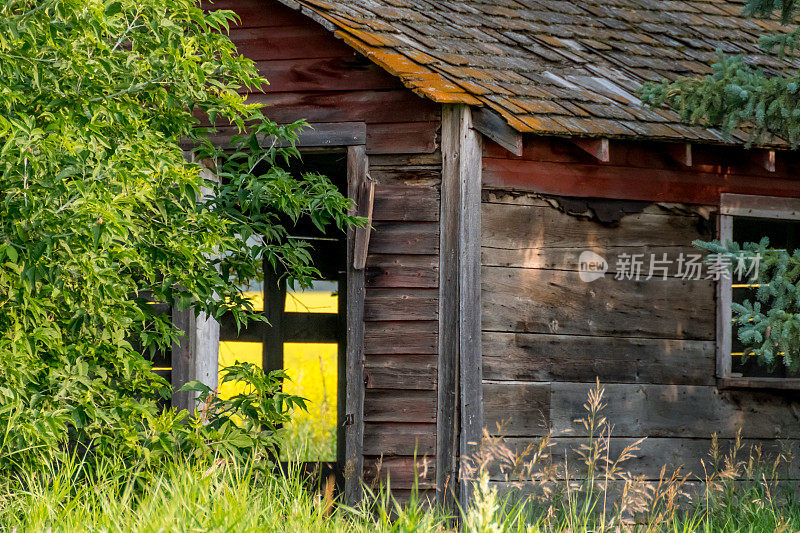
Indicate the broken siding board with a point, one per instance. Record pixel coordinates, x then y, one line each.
399 439
408 271
394 405
545 237
678 411
403 337
548 357
555 301
512 409
407 372
415 238
401 304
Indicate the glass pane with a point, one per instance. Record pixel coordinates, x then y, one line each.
313 370
322 297
231 352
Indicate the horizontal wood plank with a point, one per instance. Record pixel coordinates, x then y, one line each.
418 238
545 237
288 42
553 301
402 138
407 372
678 411
401 304
417 204
401 472
399 439
389 338
394 405
548 357
341 73
516 408
395 270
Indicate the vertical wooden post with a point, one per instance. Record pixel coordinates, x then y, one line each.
459 300
196 355
357 170
724 300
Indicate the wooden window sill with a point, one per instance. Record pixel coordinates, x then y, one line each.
759 383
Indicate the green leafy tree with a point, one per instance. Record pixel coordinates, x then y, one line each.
102 213
739 93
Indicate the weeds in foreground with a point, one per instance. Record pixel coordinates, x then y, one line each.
535 489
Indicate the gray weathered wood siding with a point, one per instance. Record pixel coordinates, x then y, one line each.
547 336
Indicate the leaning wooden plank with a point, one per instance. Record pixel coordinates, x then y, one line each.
516 408
552 301
549 357
678 411
497 129
366 199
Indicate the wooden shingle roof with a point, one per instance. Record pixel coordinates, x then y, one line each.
550 66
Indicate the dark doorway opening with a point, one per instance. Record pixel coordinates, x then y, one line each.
306 335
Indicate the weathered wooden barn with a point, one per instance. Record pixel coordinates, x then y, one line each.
494 143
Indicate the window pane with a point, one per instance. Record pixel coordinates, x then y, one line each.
322 297
313 369
231 352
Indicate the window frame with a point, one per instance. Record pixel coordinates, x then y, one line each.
752 206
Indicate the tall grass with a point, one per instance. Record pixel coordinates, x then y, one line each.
514 491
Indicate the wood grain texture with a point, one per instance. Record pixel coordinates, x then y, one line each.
407 372
407 204
399 439
548 357
401 472
395 270
553 301
401 304
415 238
394 405
541 236
401 337
517 408
679 411
402 138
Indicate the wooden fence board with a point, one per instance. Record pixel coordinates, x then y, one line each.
415 238
409 271
408 204
402 138
402 472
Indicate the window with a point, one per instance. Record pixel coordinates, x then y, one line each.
746 218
